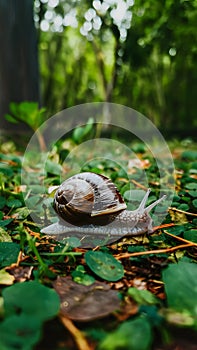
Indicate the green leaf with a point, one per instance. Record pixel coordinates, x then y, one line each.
19 332
8 253
31 298
104 265
194 202
11 119
191 186
131 335
12 202
191 235
2 202
80 276
142 297
136 249
189 155
193 193
81 132
176 230
6 222
181 287
183 206
22 213
151 312
27 112
32 201
53 168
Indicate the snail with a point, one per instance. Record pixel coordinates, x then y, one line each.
91 208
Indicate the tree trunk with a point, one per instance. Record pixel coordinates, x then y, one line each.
19 77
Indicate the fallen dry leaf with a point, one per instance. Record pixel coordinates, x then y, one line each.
85 303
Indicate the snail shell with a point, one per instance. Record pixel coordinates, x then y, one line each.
90 207
85 197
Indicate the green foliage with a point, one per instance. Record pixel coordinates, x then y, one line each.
149 68
181 286
191 235
53 168
134 334
27 306
81 133
44 301
19 332
80 276
8 253
142 297
104 265
164 292
189 155
28 113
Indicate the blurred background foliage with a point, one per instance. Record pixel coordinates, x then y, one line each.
138 53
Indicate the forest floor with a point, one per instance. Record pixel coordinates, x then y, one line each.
135 293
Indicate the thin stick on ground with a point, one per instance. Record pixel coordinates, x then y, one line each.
155 251
180 238
139 185
182 211
78 336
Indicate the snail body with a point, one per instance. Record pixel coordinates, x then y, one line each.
90 207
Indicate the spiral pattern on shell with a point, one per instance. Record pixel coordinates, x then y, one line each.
88 198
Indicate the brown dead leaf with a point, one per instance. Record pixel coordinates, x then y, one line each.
139 283
20 273
85 303
130 308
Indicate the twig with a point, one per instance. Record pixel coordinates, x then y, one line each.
182 211
155 228
78 336
180 238
139 185
19 258
155 251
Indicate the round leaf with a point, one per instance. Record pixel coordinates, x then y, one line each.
142 297
8 253
181 286
193 193
15 203
19 332
194 202
134 334
191 186
31 298
104 265
183 206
